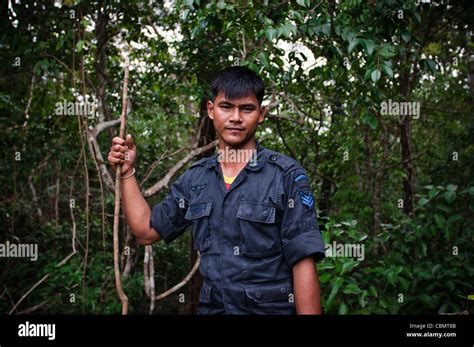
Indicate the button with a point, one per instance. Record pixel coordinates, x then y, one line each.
257 294
273 157
265 213
283 289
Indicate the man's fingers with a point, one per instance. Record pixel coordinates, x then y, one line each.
118 148
130 142
118 141
115 160
117 154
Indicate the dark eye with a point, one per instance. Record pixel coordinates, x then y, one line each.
225 107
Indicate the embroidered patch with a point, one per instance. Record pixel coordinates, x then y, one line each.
307 199
198 188
301 177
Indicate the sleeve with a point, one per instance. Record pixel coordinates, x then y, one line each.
300 233
167 217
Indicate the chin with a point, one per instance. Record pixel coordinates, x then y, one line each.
234 141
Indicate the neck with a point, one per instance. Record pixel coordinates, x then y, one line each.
232 157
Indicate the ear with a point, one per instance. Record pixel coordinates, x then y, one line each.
263 112
210 109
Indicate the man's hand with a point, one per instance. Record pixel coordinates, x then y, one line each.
122 153
306 287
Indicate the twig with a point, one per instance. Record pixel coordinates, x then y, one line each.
31 309
157 161
165 180
118 175
28 105
183 282
44 278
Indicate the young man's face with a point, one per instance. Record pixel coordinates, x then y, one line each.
235 120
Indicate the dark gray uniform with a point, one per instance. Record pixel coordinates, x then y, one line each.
249 236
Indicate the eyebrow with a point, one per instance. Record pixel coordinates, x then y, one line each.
225 102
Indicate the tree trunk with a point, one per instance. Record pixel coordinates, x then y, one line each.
405 140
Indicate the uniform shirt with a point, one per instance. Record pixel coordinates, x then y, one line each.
249 236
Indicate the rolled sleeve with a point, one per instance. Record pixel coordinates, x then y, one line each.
304 245
167 217
300 233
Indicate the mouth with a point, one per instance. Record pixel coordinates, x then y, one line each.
234 129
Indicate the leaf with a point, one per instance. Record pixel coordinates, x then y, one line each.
353 44
264 59
388 70
372 121
287 29
185 13
440 221
404 283
451 187
454 218
343 309
348 266
406 35
334 291
303 3
433 192
450 196
436 268
79 46
351 289
369 46
423 201
326 29
362 301
428 65
271 33
375 75
367 74
388 51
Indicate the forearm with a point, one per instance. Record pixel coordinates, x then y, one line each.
137 211
306 287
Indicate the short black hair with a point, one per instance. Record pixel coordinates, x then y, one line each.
236 82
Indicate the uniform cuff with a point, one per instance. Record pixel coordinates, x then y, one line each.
304 245
163 225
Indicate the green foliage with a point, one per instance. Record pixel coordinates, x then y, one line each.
329 65
421 264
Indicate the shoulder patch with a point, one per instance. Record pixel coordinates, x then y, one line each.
307 199
301 177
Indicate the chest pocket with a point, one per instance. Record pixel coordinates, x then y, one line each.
199 213
258 229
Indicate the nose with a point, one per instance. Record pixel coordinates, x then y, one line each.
235 116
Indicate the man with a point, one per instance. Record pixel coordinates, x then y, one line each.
253 216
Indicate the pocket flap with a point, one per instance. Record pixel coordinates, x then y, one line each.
198 210
256 212
269 292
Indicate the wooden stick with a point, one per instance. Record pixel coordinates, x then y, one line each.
118 175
